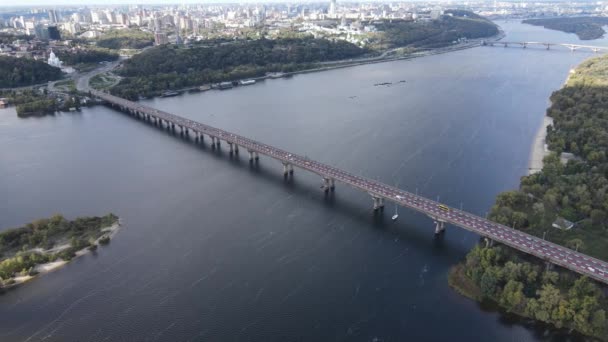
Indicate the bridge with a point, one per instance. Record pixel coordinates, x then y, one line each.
378 191
571 47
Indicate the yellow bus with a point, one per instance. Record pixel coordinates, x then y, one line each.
444 207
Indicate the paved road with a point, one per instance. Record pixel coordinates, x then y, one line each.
545 250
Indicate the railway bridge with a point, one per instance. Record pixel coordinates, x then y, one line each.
378 191
571 47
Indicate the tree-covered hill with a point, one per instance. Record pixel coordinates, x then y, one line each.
19 72
586 28
457 24
171 67
125 39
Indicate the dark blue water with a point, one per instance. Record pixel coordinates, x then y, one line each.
214 250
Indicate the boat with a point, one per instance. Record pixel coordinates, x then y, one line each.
396 216
204 87
247 82
276 75
169 93
225 85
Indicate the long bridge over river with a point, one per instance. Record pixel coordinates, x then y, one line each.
379 192
571 47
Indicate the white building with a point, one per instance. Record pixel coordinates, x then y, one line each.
54 61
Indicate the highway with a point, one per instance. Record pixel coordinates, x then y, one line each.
549 252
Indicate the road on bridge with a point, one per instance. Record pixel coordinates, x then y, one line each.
550 252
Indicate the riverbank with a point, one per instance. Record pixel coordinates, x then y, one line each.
386 56
522 285
539 147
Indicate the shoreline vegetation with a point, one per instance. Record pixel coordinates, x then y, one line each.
45 245
170 68
570 184
586 28
32 102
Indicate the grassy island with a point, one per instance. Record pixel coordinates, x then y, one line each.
46 244
572 186
586 28
37 103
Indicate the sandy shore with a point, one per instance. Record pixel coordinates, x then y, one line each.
52 266
539 147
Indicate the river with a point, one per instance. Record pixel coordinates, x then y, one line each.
214 250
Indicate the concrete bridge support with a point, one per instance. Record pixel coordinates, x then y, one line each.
439 227
489 242
287 169
378 203
253 155
230 147
236 148
173 126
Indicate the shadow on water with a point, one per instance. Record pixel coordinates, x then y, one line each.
330 201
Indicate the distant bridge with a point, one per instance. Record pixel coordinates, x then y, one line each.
571 47
379 192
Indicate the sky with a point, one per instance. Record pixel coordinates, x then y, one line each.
56 3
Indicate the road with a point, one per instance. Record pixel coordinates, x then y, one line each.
530 244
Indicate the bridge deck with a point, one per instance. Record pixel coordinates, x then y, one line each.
545 250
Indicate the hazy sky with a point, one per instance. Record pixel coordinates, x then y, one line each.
52 3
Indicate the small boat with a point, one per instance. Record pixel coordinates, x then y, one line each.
247 82
169 93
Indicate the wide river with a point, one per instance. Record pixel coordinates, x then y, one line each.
214 250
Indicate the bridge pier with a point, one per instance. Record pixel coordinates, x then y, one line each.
525 45
489 242
236 148
439 227
378 202
253 155
230 147
173 126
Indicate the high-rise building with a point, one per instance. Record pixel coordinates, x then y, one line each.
332 8
41 32
53 16
160 38
54 33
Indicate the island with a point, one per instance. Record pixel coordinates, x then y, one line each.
566 203
39 102
586 28
46 244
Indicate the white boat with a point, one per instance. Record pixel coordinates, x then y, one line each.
396 216
247 82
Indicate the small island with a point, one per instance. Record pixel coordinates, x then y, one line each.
46 244
586 28
565 203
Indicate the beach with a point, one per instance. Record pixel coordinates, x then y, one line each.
539 147
54 265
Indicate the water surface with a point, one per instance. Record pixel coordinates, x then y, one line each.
215 250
